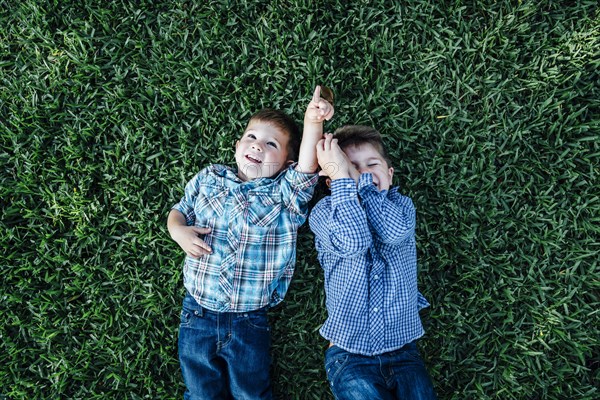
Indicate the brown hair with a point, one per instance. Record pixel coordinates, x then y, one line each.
355 135
282 121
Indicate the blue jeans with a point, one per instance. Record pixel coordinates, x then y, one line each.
398 374
224 355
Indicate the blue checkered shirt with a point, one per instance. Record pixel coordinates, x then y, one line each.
253 239
366 245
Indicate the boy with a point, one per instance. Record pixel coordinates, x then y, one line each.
365 238
238 227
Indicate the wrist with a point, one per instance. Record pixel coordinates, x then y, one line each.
308 120
175 232
340 175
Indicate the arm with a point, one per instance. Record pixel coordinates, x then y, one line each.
181 221
391 215
317 111
339 221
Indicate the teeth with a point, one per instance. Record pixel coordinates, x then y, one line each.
253 159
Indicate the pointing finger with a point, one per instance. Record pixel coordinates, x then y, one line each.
317 94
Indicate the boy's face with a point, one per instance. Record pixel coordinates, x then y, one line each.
262 151
366 158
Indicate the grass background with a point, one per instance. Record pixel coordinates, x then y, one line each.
491 113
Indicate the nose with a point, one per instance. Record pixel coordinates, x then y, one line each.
256 146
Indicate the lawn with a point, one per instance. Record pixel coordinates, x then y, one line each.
490 110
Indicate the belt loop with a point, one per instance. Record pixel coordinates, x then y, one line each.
199 311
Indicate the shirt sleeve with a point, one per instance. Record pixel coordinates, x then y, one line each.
297 189
339 222
186 204
391 215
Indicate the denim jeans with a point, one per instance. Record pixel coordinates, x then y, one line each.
399 374
224 355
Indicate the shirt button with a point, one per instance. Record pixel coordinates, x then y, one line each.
375 309
375 277
349 185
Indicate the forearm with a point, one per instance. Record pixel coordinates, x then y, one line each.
393 220
175 220
340 222
307 158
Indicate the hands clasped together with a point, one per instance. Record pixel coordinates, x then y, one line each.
333 161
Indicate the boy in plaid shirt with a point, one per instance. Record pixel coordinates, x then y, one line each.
238 228
365 239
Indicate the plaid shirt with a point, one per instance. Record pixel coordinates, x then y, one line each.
368 252
253 239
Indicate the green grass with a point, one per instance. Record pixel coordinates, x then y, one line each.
491 110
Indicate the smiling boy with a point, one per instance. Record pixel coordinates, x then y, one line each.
238 228
365 239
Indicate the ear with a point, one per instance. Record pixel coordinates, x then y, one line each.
391 174
328 182
237 143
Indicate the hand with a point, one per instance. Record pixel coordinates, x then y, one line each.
188 238
318 109
333 161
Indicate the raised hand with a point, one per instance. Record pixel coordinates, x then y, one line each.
332 160
319 109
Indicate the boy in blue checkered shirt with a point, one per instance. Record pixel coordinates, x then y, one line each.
365 238
238 227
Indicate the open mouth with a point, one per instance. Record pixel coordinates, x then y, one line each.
252 159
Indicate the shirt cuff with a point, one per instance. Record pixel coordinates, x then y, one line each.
189 217
299 179
365 180
343 190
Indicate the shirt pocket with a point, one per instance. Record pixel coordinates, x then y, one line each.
210 202
264 208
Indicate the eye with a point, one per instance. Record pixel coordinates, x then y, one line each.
373 164
272 144
251 136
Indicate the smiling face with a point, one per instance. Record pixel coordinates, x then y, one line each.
262 152
366 158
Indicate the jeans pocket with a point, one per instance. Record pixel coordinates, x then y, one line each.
188 310
256 320
185 318
411 352
335 361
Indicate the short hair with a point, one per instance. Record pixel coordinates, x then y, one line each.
282 121
355 135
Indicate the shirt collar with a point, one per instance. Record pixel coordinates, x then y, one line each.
230 174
